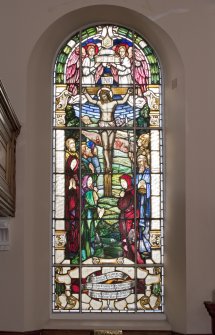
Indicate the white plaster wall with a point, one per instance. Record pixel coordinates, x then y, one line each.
182 32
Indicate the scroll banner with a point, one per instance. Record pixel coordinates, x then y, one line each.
97 290
110 287
107 276
110 295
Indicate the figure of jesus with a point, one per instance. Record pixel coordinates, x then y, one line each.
107 108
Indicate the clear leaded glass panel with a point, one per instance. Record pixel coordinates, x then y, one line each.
107 174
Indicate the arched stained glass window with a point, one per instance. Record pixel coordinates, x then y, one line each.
107 174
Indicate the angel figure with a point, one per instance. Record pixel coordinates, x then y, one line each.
132 64
122 71
91 71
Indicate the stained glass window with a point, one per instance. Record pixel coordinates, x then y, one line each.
107 174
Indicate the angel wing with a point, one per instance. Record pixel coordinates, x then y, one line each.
73 70
99 72
141 72
114 72
113 69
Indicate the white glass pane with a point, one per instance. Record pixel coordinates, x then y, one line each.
155 184
108 269
155 225
155 207
155 90
71 43
59 139
65 270
59 225
154 139
129 271
74 273
127 261
155 161
60 184
143 44
60 161
87 271
59 256
59 207
156 256
142 273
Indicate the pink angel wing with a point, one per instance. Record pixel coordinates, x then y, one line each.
99 72
114 72
72 71
141 72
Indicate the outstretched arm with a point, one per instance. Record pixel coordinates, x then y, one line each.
122 101
91 100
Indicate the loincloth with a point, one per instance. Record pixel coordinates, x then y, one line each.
106 124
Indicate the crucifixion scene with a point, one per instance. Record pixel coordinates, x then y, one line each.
108 97
107 115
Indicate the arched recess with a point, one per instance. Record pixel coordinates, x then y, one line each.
38 212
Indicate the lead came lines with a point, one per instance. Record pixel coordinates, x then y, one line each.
98 292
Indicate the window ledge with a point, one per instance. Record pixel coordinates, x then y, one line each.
150 321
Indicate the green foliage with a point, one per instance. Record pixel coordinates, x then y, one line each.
156 289
111 202
137 39
123 31
130 35
60 68
76 38
91 31
62 58
152 59
60 288
67 50
147 51
156 79
84 35
154 65
105 230
71 119
59 78
99 252
75 259
154 69
143 119
112 212
119 168
113 252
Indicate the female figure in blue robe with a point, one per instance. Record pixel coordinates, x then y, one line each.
144 204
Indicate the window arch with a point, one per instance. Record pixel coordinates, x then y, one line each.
107 174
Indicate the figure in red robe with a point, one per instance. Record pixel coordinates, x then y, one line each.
127 219
72 200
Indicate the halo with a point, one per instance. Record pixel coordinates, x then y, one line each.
105 89
118 46
93 45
